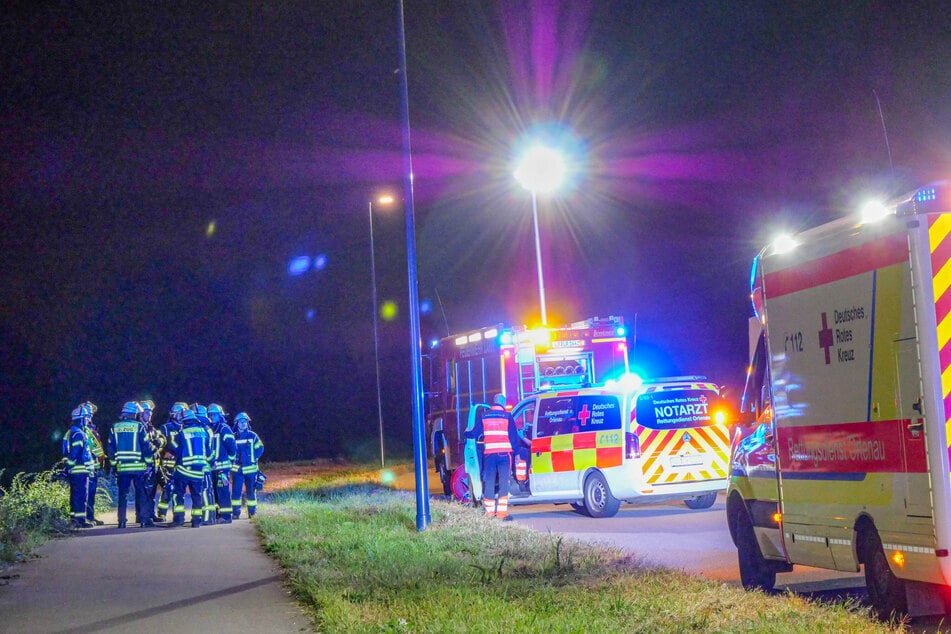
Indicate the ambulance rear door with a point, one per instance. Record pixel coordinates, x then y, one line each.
680 440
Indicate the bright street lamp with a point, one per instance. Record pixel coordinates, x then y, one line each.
541 169
382 200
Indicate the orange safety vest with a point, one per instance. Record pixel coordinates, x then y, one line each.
495 430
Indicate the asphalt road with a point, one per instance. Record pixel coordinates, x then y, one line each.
209 579
669 534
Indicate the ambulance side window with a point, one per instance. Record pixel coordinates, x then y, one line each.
554 417
757 396
525 421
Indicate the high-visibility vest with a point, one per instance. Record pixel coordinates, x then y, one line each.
495 429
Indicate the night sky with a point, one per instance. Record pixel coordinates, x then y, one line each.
162 168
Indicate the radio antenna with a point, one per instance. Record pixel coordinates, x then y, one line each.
888 147
443 311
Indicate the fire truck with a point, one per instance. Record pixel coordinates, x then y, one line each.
844 459
471 367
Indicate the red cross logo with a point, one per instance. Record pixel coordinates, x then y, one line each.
584 415
825 338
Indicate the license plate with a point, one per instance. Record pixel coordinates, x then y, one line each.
686 460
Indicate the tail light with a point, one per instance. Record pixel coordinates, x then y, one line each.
632 446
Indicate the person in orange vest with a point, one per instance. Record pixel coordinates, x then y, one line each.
497 428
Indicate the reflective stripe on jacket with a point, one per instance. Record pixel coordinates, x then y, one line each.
249 449
495 429
192 450
79 457
129 447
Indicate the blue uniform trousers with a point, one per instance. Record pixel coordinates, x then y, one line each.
244 481
496 465
195 488
222 480
135 480
91 496
78 492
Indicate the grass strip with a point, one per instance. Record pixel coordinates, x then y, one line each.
357 564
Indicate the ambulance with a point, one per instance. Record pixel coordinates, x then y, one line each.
596 447
843 462
469 368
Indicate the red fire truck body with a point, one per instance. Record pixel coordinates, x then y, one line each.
471 367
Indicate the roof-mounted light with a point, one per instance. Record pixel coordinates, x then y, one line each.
874 211
784 243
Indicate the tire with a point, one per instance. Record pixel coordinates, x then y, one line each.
579 508
598 500
755 571
704 501
886 592
446 478
459 486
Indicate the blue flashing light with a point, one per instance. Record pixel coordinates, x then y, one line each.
425 307
505 338
620 331
320 262
298 265
926 194
311 313
433 343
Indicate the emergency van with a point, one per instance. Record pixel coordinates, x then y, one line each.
470 367
844 462
596 447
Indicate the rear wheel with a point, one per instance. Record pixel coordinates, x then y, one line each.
459 485
704 501
598 499
755 572
886 592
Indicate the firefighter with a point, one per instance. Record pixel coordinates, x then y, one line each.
96 465
208 487
167 463
222 456
153 473
245 468
192 450
78 458
501 438
131 452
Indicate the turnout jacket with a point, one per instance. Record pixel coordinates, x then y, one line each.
223 447
78 456
129 447
192 448
249 450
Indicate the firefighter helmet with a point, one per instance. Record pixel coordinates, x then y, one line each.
131 409
81 412
175 412
147 406
201 412
242 417
216 410
188 416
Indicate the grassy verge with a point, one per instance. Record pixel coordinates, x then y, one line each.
32 508
357 563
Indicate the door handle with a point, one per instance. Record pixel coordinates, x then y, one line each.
916 426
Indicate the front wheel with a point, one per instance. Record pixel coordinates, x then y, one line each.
704 501
598 499
886 592
755 571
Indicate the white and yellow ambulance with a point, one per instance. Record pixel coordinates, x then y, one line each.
845 461
596 447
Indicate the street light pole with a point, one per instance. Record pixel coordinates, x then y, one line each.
541 169
376 338
538 259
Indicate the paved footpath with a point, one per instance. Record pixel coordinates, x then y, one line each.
209 579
